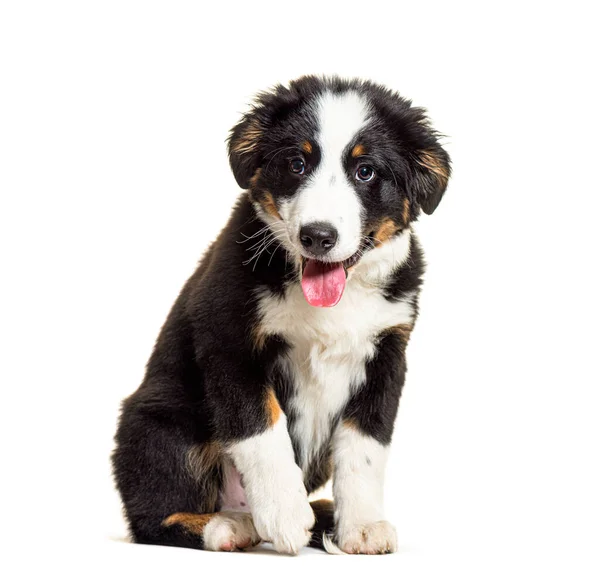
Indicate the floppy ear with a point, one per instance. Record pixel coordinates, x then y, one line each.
247 143
244 149
430 173
426 165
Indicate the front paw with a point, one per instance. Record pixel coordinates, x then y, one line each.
286 522
369 538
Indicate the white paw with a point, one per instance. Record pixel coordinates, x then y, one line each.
228 531
274 486
286 521
369 538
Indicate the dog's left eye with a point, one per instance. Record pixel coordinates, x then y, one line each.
297 166
365 173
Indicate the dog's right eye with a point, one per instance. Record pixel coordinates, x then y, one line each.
297 166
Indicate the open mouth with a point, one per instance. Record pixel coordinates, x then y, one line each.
323 283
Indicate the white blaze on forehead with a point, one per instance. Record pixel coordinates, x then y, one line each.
340 117
329 194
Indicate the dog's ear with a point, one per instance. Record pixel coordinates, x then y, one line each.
425 165
429 176
244 148
247 140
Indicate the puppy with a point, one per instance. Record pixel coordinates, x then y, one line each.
282 361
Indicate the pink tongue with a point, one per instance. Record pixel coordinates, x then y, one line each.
323 283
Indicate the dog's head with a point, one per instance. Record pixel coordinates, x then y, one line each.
336 167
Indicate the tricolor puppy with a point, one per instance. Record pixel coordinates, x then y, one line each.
282 361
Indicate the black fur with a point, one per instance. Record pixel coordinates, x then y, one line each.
206 378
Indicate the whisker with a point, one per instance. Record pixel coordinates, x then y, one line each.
274 251
264 244
252 236
276 234
265 248
258 252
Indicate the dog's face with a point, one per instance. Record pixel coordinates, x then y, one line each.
336 168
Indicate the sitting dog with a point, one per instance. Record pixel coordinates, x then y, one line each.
282 361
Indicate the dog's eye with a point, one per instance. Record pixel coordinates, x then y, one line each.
297 166
365 173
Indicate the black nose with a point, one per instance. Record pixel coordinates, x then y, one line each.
318 238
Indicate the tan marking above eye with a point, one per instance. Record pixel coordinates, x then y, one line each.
307 147
358 150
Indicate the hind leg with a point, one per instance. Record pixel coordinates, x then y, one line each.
161 471
229 529
221 531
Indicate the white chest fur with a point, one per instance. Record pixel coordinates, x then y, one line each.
329 347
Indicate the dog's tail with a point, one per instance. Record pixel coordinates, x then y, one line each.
322 532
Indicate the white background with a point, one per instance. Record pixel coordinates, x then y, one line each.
114 178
